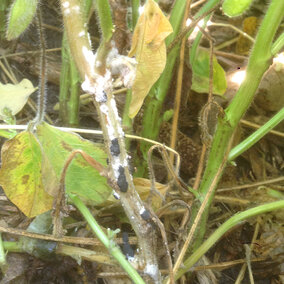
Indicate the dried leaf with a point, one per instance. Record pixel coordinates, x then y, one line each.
149 48
143 187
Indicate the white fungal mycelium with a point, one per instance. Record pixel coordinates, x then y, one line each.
140 207
122 65
89 38
66 11
142 210
153 271
87 86
90 57
76 9
116 195
65 4
98 63
103 85
109 126
114 108
115 166
81 34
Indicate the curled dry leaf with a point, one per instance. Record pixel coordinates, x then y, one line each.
149 48
143 187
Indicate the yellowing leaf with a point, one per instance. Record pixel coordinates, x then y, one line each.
21 174
14 97
149 48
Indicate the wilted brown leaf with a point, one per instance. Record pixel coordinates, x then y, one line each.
149 48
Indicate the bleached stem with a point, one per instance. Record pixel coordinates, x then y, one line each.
98 82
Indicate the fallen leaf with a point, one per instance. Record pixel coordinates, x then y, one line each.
20 174
14 97
149 48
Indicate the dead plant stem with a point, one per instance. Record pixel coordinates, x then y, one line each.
254 237
98 82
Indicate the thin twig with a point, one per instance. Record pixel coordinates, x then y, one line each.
248 250
250 185
173 172
206 110
165 242
43 68
197 3
95 132
256 126
200 167
64 239
179 85
184 32
29 52
230 55
244 34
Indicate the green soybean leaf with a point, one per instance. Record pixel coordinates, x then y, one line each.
81 179
3 8
233 8
20 174
20 17
200 76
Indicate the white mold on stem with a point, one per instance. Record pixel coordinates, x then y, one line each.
142 210
76 9
90 58
153 271
123 66
65 4
66 12
115 166
81 34
89 39
116 195
87 86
